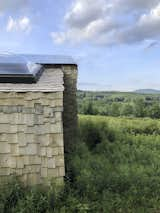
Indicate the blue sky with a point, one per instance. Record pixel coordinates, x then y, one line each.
115 42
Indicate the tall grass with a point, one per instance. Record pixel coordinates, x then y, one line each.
115 167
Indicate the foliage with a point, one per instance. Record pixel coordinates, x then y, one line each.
115 167
118 104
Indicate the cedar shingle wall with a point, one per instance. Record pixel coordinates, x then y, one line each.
35 119
31 130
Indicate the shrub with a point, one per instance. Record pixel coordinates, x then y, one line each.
115 167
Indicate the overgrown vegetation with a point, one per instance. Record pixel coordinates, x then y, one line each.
115 167
119 104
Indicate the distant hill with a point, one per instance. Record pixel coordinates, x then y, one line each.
147 91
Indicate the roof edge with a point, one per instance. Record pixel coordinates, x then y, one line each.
50 59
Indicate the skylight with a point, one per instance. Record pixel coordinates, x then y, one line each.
18 69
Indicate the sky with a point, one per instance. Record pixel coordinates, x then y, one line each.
116 43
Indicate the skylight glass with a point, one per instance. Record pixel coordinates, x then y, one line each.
18 69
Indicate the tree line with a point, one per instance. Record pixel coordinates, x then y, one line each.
120 106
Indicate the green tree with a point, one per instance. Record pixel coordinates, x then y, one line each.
154 111
88 109
127 110
139 108
115 109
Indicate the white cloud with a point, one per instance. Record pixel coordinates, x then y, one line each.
134 5
146 28
58 38
23 24
93 30
12 4
85 11
111 22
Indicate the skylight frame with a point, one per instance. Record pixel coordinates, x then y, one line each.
18 69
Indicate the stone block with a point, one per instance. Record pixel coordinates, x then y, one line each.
3 137
43 151
29 129
49 152
60 150
42 129
45 101
58 102
56 140
48 112
55 95
20 163
55 151
32 149
20 128
53 173
38 109
4 160
36 168
33 96
44 172
52 120
26 160
28 110
59 161
19 172
12 162
9 109
30 138
61 171
29 103
5 128
56 128
58 116
51 163
34 160
4 118
12 138
28 119
4 148
44 162
23 150
38 119
14 149
13 118
21 138
28 169
13 129
4 171
44 140
58 109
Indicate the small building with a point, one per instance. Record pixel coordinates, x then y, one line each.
38 116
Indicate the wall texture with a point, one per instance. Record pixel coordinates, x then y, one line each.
31 136
70 107
36 121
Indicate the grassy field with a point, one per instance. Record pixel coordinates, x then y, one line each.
115 167
126 168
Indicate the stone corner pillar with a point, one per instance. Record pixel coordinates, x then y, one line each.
70 119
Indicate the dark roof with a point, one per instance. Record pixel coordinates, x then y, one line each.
25 68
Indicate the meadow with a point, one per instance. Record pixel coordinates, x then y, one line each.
115 167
